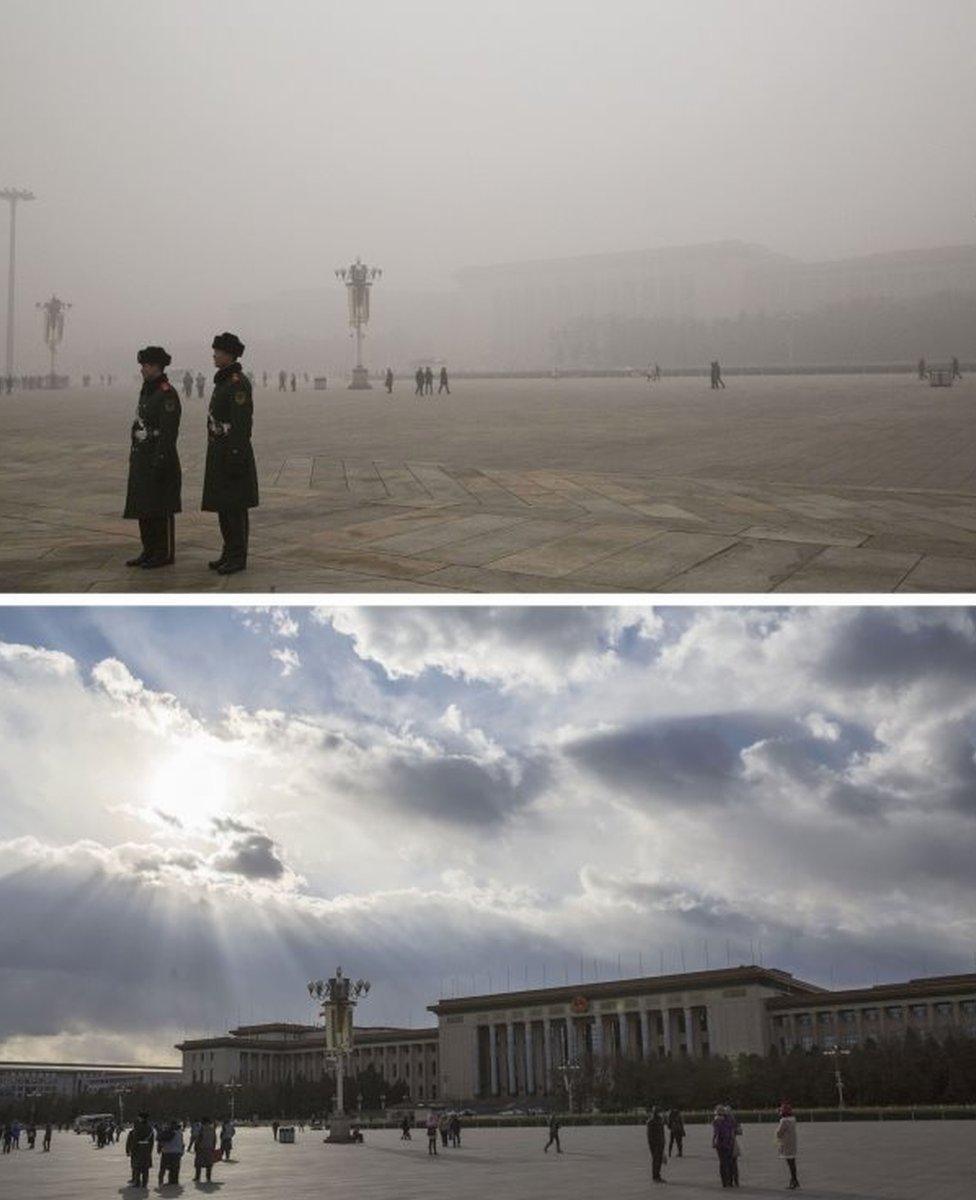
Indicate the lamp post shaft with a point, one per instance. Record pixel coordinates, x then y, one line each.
11 272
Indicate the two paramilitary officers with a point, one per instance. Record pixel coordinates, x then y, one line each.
155 480
230 486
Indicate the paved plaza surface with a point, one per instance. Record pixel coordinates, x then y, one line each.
789 484
928 1160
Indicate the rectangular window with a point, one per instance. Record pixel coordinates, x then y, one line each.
894 1013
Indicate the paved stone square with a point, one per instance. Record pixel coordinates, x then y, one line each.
927 1160
788 484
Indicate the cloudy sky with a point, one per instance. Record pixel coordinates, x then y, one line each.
191 155
203 807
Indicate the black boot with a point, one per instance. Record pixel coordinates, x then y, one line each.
230 567
137 561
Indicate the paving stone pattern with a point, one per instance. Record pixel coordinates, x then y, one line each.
830 484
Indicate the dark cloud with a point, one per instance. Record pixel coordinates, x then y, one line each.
693 759
882 647
251 855
465 791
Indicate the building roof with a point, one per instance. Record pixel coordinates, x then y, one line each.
911 989
126 1068
313 1037
647 985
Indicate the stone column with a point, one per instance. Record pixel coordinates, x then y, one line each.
493 1055
689 1032
547 1052
529 1064
512 1080
645 1026
475 1066
624 1039
597 1036
666 1021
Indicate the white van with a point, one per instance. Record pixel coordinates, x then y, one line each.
87 1121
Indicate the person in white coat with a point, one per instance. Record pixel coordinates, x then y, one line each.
786 1140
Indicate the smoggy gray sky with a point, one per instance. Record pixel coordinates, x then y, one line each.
205 807
193 154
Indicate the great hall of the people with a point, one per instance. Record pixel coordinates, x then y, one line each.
512 1044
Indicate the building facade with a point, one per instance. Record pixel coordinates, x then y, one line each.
19 1080
291 1053
513 1045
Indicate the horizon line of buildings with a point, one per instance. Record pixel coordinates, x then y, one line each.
509 1045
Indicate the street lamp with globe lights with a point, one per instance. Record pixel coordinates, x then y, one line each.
338 997
359 279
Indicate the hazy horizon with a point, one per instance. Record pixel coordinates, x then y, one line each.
193 157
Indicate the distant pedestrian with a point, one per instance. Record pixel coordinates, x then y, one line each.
922 368
294 383
419 379
786 1140
717 380
282 381
956 373
46 1144
8 1137
274 1130
264 379
455 1130
201 384
205 1149
388 381
553 1135
169 1143
676 1130
443 384
444 1128
655 1142
432 1133
227 1131
657 371
188 384
428 382
723 1143
405 1135
139 1146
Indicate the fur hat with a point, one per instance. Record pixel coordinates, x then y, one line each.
229 342
155 355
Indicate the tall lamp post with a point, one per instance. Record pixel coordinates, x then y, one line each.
338 997
13 196
232 1087
358 279
120 1092
54 310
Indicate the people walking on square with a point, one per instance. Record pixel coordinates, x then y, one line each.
443 385
227 1131
676 1131
455 1130
736 1148
201 384
786 1140
169 1143
230 485
8 1137
294 382
153 492
388 381
46 1143
188 384
444 1128
204 1146
405 1135
723 1143
31 1135
655 1142
432 1133
922 368
139 1147
419 378
274 1130
553 1135
428 382
282 381
956 373
717 380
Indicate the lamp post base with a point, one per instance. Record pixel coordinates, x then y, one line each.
339 1131
360 380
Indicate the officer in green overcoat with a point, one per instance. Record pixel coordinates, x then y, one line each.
155 480
230 483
